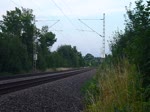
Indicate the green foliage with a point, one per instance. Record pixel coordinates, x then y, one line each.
19 23
68 56
116 88
55 60
90 91
90 60
46 40
134 43
124 85
17 33
10 60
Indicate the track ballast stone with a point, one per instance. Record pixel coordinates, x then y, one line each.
59 96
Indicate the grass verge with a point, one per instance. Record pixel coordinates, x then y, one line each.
115 88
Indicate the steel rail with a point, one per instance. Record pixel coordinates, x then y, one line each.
7 77
23 84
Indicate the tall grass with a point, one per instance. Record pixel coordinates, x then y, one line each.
119 90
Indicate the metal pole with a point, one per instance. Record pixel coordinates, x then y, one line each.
34 50
104 35
35 57
92 30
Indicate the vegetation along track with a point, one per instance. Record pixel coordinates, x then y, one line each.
16 85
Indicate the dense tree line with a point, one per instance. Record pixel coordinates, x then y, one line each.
90 60
66 56
18 36
134 42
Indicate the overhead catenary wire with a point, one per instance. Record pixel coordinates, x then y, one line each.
90 28
34 44
57 30
46 20
63 13
56 21
84 30
92 19
36 4
68 19
51 26
20 2
16 4
79 25
103 36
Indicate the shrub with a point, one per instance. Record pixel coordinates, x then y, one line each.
120 90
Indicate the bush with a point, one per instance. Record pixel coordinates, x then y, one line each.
120 90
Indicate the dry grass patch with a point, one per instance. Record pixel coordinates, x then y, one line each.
119 90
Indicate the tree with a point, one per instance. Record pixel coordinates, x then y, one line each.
139 27
19 24
16 33
134 43
65 56
46 40
13 56
90 60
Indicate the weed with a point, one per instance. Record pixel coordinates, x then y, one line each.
115 88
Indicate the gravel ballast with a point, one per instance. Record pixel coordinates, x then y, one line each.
59 96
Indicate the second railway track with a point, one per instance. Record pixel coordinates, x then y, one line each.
20 83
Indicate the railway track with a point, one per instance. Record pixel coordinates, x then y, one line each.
12 84
6 77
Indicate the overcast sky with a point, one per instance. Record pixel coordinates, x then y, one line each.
67 30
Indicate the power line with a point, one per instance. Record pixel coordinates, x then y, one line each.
92 19
84 30
57 30
36 5
63 13
54 23
70 10
34 43
15 3
40 8
41 20
20 2
103 36
90 28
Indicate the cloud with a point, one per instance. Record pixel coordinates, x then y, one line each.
68 7
78 8
73 9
